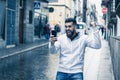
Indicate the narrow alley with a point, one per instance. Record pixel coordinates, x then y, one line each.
27 26
44 65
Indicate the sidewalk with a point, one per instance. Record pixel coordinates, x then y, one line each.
6 52
98 64
105 70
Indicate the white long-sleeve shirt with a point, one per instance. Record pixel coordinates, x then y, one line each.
71 59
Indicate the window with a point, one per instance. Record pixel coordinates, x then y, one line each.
30 17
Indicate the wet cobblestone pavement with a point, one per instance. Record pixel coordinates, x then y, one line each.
31 65
38 64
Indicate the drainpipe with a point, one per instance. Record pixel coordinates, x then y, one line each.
84 10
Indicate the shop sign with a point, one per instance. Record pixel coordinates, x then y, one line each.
37 5
104 10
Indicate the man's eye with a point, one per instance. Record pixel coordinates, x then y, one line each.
70 26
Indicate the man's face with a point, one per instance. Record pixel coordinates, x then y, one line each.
70 29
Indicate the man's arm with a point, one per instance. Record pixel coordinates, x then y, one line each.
93 40
54 45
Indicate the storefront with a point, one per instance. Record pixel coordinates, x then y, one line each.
40 18
20 22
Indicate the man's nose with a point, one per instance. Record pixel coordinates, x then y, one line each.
67 28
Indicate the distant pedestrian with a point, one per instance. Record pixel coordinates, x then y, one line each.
57 28
72 47
47 31
104 33
103 30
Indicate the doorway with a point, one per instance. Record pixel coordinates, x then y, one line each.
21 25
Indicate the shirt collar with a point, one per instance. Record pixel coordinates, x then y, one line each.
76 37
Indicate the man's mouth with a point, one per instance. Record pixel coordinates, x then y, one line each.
68 32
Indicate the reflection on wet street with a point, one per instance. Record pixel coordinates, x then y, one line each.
36 64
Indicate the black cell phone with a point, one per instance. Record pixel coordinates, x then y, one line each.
54 33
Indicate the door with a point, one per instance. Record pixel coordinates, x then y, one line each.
21 25
10 22
10 27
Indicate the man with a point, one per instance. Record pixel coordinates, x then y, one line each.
47 31
72 46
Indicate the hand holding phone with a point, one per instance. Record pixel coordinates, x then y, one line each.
54 33
53 37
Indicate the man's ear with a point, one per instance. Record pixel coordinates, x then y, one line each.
75 26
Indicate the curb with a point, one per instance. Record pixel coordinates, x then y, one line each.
24 50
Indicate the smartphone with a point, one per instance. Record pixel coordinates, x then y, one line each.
54 33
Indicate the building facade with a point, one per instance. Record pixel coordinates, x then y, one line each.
78 10
113 33
62 10
112 17
40 18
18 21
117 5
8 22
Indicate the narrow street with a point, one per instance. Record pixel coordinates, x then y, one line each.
30 65
27 25
38 64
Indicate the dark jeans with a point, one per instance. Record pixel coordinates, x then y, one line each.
47 36
69 76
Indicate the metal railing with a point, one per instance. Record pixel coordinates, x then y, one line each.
114 43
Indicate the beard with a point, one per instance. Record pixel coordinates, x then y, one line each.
70 33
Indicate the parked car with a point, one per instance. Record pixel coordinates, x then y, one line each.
82 28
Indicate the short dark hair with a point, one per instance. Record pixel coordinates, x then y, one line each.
71 20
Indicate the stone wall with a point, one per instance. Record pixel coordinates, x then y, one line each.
28 27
